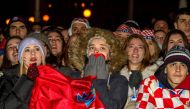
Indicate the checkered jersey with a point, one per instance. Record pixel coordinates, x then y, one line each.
153 95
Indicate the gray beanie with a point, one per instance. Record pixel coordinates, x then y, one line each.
28 41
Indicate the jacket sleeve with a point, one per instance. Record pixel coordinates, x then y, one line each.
19 96
115 97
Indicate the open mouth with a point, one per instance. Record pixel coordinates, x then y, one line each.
33 59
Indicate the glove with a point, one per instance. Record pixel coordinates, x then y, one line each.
90 68
101 67
32 72
96 66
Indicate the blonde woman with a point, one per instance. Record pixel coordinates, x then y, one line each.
104 58
16 85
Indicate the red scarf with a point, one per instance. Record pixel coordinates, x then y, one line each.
184 84
53 90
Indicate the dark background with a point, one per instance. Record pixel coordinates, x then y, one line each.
105 13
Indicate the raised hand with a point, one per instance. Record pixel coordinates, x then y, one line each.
32 72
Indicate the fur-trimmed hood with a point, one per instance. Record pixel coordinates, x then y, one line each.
77 50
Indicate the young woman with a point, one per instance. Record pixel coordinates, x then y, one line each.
11 52
174 37
96 52
137 66
152 44
16 84
56 40
161 91
159 37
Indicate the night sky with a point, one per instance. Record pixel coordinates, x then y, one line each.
105 13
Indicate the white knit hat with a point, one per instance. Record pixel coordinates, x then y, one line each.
28 41
78 20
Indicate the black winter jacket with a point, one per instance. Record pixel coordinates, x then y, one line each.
15 91
114 97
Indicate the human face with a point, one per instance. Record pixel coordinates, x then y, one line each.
176 73
135 51
18 29
175 39
160 36
161 25
78 27
55 42
183 23
151 47
32 54
12 51
124 35
98 46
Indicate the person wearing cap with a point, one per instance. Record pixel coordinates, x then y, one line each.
162 90
152 44
122 33
77 25
16 84
44 39
17 26
133 24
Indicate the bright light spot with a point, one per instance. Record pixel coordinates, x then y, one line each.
45 18
87 13
83 4
49 5
7 21
31 19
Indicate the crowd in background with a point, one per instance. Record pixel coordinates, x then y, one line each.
82 67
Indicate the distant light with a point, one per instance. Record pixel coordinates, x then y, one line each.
87 13
46 18
49 5
31 19
83 4
7 21
91 4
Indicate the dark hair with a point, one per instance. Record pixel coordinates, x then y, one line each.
182 11
62 55
162 77
16 19
6 62
166 40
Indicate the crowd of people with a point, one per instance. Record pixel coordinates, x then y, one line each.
85 67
